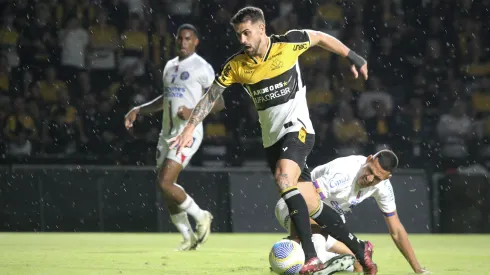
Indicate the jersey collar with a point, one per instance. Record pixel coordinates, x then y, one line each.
256 61
188 58
268 49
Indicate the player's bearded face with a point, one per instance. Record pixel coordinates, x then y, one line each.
250 36
371 173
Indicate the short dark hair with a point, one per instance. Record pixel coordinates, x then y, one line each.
189 27
252 14
387 160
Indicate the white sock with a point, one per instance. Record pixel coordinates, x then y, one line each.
319 242
181 221
190 206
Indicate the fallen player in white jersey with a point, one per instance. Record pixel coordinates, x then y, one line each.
344 183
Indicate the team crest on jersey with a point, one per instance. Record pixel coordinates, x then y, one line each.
184 75
276 64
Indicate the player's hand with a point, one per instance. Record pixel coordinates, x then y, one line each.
423 271
363 70
130 117
184 113
183 140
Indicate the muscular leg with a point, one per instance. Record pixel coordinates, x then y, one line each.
167 176
308 191
286 175
174 195
180 204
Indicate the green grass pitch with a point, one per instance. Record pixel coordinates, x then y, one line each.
223 254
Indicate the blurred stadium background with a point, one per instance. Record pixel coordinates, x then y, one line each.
71 69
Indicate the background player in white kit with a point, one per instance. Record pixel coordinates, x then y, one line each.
341 185
185 78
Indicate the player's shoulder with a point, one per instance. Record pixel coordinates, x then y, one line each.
236 58
291 36
173 61
351 160
202 63
384 190
200 59
385 186
341 163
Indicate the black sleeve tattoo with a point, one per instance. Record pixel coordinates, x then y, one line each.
205 105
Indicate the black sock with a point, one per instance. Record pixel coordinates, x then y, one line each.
298 211
332 224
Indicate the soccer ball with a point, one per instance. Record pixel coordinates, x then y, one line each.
286 257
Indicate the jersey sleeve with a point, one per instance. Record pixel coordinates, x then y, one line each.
385 198
207 76
300 40
227 74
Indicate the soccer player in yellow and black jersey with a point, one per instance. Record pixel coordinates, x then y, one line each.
268 69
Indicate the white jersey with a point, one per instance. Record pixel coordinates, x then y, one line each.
337 181
184 82
275 85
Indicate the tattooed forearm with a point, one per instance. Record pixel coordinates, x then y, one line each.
205 105
282 182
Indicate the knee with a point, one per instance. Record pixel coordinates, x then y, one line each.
282 180
165 183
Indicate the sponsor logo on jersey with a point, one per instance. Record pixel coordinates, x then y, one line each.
249 71
270 93
300 47
274 91
276 55
337 180
184 75
174 92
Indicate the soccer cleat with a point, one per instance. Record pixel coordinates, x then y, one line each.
203 228
188 244
312 265
369 267
337 264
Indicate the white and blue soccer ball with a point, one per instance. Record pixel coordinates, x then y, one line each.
286 257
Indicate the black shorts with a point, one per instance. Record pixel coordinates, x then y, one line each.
295 146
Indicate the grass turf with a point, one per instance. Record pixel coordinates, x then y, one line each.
94 253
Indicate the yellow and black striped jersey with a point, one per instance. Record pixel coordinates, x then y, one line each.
274 83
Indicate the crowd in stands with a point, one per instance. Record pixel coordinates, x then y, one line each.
71 69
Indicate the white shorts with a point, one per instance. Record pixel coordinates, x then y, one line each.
282 216
164 152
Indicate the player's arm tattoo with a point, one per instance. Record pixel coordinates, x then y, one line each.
205 105
218 105
283 182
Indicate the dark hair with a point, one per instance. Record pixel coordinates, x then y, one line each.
252 14
387 160
189 27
